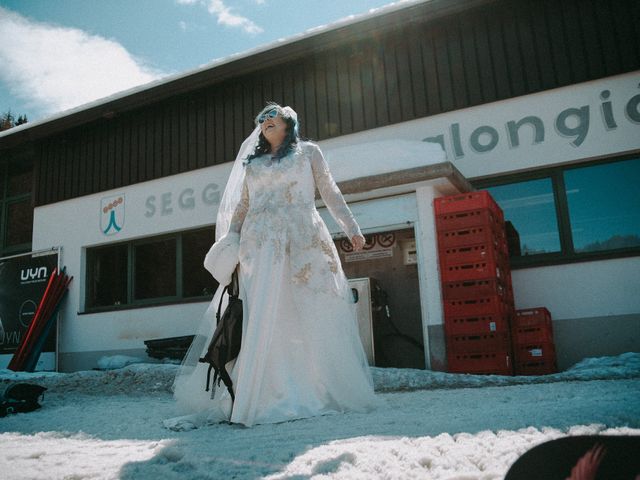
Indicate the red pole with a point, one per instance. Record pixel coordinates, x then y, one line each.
14 364
57 290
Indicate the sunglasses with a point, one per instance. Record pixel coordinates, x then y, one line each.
265 116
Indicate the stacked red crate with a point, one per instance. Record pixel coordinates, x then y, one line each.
532 336
476 283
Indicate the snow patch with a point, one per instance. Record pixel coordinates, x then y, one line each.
117 361
142 378
109 425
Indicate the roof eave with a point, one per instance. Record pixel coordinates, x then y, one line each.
236 66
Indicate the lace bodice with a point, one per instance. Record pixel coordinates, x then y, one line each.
286 188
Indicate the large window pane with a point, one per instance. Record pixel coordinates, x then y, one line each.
20 179
530 207
155 269
19 223
107 267
3 170
604 205
196 281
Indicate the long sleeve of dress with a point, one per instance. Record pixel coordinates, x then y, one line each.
237 219
331 194
223 256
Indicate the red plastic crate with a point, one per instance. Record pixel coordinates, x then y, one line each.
532 317
535 351
507 279
493 322
481 234
540 367
472 271
480 252
532 335
478 343
497 363
509 286
483 305
466 201
473 288
469 218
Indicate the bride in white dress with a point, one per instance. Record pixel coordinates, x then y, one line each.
301 355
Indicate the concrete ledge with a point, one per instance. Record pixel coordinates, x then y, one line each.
444 170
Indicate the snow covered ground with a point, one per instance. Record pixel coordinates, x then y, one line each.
108 424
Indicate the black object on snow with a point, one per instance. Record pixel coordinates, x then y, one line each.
606 457
172 347
20 397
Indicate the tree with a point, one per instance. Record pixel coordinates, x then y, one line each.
8 120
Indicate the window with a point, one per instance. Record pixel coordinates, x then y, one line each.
531 209
107 276
16 210
19 223
197 281
150 271
572 213
19 179
604 206
155 269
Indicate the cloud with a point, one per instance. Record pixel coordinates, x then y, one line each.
55 68
225 16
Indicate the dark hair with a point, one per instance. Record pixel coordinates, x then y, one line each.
290 140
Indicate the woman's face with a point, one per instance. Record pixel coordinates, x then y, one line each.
274 129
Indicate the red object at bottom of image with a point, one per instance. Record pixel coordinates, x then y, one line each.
491 363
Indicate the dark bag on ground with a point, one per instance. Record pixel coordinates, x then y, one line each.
225 343
618 459
20 398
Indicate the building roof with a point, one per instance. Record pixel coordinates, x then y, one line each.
320 38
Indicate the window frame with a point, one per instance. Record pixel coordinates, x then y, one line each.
131 270
90 266
131 302
567 253
6 200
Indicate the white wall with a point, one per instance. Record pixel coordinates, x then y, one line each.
76 224
377 215
190 200
581 290
547 106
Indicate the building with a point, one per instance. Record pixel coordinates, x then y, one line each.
537 101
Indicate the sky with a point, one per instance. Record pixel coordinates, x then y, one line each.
56 55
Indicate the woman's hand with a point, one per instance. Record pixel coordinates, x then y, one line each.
358 242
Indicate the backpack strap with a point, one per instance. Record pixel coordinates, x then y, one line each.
216 376
220 304
233 290
234 284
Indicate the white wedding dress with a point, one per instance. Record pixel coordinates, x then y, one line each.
301 355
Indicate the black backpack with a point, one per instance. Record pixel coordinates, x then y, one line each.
20 398
225 343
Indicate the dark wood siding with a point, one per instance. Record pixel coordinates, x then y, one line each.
408 70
